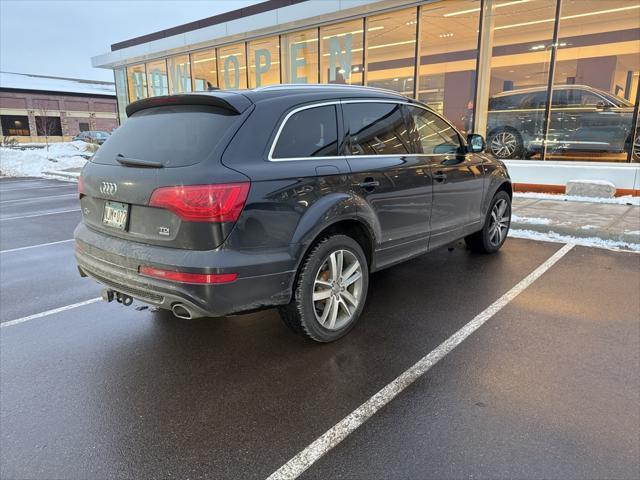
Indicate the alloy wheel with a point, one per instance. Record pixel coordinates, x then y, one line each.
337 289
504 144
499 223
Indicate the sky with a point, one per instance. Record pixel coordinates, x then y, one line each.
59 37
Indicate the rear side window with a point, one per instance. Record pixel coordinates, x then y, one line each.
506 102
376 129
175 136
312 132
432 134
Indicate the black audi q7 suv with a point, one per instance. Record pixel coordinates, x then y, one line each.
223 202
583 119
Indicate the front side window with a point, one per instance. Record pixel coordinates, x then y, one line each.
376 129
432 134
311 132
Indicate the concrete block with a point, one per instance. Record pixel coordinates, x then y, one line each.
590 188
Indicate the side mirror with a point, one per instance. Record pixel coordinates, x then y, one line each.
602 106
475 143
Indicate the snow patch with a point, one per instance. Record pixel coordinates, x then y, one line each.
34 162
586 242
624 200
530 220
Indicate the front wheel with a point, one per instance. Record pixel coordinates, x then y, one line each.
496 226
330 290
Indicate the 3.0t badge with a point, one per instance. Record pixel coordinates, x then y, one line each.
108 188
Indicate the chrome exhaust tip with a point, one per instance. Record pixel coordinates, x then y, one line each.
180 311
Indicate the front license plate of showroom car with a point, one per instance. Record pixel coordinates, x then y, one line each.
115 215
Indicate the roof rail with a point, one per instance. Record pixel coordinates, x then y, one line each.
326 85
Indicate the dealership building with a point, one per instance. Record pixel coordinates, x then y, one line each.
551 84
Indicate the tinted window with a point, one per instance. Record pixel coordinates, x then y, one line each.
535 100
175 136
432 134
376 129
311 132
508 102
562 98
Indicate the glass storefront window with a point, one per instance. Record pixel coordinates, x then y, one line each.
137 79
232 66
447 71
157 78
203 68
300 57
264 62
341 53
519 78
179 74
391 43
121 93
595 80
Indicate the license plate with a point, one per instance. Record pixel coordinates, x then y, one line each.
115 215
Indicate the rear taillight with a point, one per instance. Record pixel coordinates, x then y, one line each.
203 203
80 186
185 277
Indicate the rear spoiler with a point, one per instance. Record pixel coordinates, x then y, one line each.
234 102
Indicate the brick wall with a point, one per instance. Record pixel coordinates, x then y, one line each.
98 112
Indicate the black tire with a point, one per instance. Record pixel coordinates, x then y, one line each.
499 144
301 314
484 241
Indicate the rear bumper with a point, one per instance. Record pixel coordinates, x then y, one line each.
264 279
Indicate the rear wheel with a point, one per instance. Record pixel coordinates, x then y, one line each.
330 290
496 226
505 143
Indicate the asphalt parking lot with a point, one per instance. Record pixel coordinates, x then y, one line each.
548 387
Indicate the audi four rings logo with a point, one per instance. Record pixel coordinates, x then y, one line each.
108 188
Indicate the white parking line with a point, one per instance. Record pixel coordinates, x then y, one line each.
332 437
2 190
17 321
39 214
35 246
46 197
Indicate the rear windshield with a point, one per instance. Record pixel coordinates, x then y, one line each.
175 136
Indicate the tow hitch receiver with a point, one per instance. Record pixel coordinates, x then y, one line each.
109 295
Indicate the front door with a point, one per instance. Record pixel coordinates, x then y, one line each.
392 180
458 178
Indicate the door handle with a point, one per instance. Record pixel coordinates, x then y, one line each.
440 177
369 184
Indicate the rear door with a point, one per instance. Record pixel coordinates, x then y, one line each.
389 176
458 179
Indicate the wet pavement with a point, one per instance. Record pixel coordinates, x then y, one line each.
547 388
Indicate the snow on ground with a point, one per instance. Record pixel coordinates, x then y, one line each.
625 200
34 162
530 220
586 242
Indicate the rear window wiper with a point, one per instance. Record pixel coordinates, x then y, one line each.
135 162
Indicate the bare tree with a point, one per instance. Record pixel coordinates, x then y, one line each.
45 124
